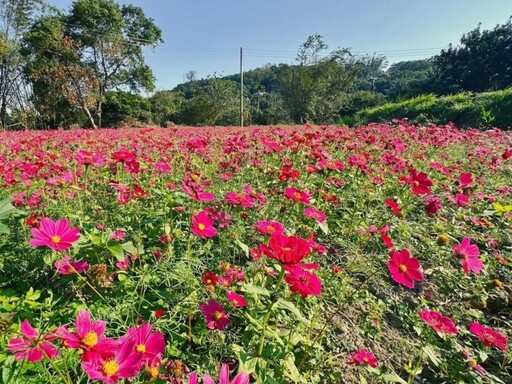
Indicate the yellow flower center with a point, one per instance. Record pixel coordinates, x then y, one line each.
473 363
201 226
110 368
217 315
235 301
55 239
296 195
402 268
141 348
153 373
270 229
287 249
90 339
365 360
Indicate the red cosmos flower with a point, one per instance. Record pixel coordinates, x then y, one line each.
315 214
507 154
288 250
236 299
31 346
209 278
467 254
269 227
214 315
202 225
125 363
67 266
465 180
88 337
301 281
438 322
159 313
123 156
432 204
57 235
419 182
394 206
386 239
404 268
297 195
196 192
147 342
242 199
362 357
489 336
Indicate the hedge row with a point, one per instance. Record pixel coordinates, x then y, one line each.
483 110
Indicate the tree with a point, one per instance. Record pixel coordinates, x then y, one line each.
15 18
95 48
406 79
164 105
313 90
482 61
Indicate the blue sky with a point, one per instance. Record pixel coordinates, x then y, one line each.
206 35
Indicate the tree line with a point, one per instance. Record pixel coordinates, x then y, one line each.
85 67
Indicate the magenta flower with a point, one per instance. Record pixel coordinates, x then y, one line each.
214 315
125 363
404 268
467 254
236 299
315 214
147 342
288 250
202 225
57 235
269 227
88 337
302 281
31 346
489 336
240 378
297 195
438 322
67 266
362 357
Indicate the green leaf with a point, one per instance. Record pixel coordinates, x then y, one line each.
431 354
130 248
4 229
324 227
116 249
256 290
6 209
244 247
289 306
392 378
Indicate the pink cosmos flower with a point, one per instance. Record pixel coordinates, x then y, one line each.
57 235
467 254
302 281
202 225
67 266
465 180
31 346
404 268
269 227
236 299
117 235
438 322
240 378
489 336
124 264
297 195
214 315
196 192
125 363
315 214
88 337
147 342
362 357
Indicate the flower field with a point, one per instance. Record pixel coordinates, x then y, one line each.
258 255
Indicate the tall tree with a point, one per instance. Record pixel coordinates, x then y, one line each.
95 48
313 89
482 61
15 17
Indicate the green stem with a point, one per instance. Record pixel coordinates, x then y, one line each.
57 369
269 312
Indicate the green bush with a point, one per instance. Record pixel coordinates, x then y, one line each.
481 110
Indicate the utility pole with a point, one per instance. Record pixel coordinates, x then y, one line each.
241 88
